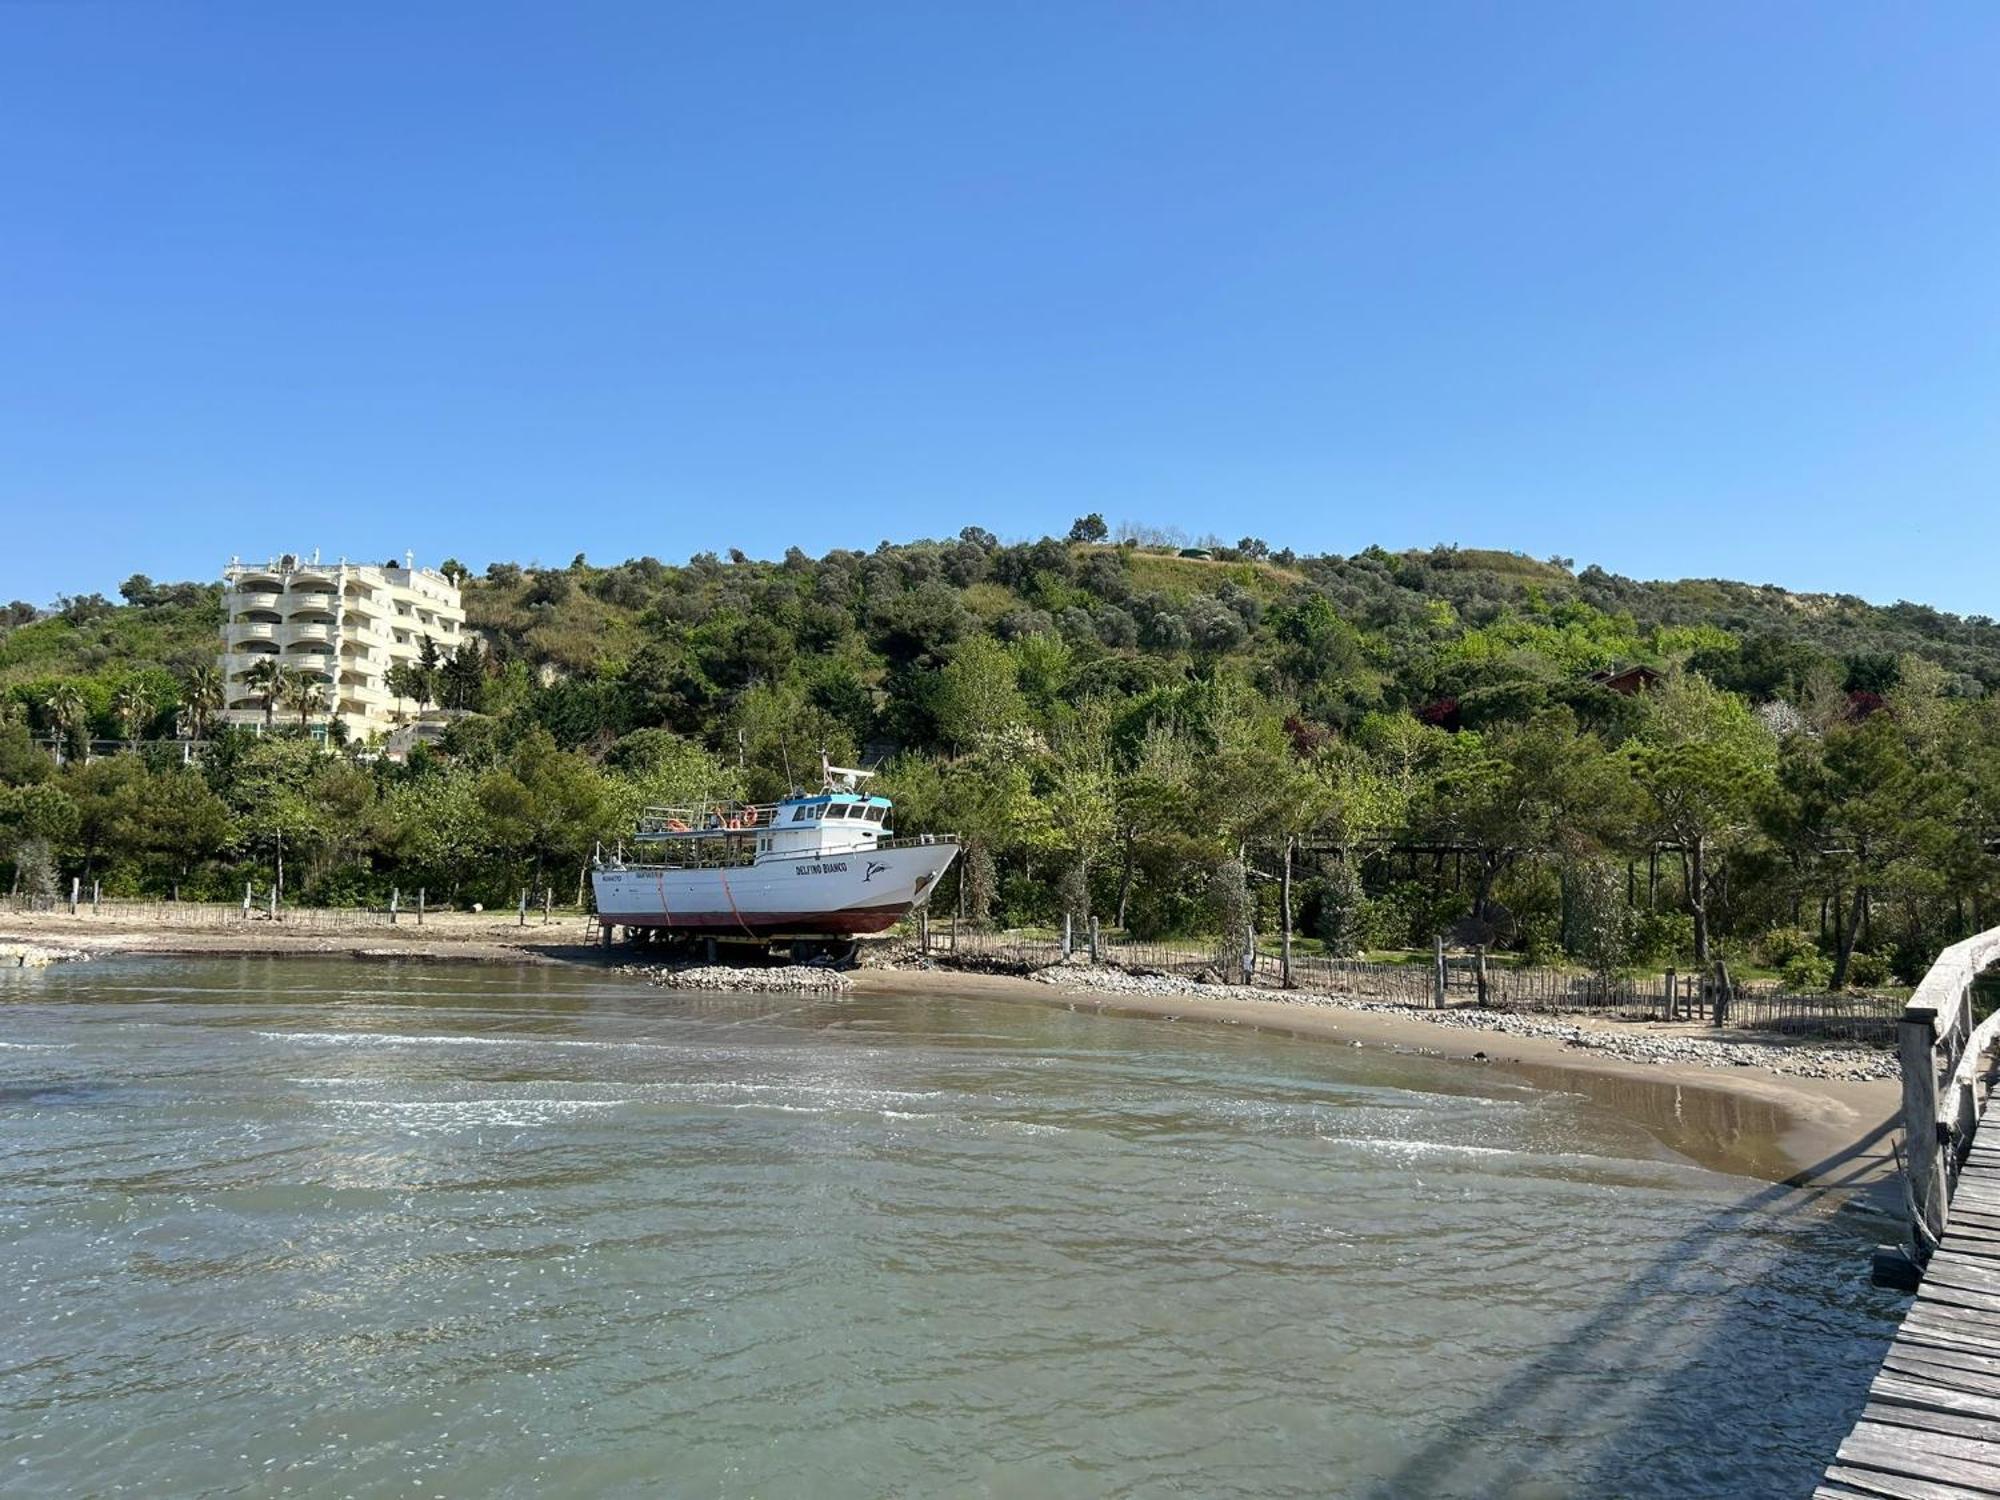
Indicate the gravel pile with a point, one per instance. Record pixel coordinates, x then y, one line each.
35 955
795 979
1798 1059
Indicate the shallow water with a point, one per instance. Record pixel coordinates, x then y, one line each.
330 1228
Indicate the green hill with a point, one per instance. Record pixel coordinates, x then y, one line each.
1807 780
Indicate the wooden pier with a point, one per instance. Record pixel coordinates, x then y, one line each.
1931 1428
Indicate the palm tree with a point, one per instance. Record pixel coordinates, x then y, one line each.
264 679
133 704
304 693
202 697
67 713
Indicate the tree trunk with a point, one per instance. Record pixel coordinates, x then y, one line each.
1125 880
1285 910
1696 856
1855 915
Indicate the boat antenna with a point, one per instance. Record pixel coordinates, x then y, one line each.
784 749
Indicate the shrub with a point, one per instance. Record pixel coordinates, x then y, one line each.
1662 937
1779 946
1807 969
1867 970
1541 938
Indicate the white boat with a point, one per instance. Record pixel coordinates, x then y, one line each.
812 867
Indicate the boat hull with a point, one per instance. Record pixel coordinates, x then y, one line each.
832 895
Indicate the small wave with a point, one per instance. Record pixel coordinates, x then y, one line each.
400 1039
1422 1148
36 1046
451 1113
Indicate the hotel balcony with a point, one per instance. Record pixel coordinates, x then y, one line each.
254 630
249 599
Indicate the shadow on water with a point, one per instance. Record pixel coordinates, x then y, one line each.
1745 1374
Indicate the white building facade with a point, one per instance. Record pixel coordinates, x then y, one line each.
341 625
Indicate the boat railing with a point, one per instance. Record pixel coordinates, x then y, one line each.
916 839
704 820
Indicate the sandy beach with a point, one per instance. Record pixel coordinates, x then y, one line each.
1817 1132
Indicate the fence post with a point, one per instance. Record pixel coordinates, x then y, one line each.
548 902
523 922
1285 908
1093 940
96 896
1479 972
246 900
1719 1013
1916 1050
274 901
1249 953
1068 937
395 898
1438 975
420 906
1673 996
923 929
75 891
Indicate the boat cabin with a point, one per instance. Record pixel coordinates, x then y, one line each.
801 827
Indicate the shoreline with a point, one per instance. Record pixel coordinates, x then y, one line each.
1809 1132
1823 1133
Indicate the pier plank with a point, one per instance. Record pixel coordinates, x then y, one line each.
1879 1486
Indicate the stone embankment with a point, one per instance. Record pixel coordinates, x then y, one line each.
35 955
795 979
1816 1059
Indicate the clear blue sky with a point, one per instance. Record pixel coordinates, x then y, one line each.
1683 288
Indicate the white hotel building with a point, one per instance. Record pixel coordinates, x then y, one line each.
341 624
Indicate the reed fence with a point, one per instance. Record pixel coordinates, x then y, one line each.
1447 980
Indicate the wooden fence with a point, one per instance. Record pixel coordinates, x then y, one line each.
1943 1049
1447 979
259 906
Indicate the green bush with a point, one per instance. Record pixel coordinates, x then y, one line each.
1781 945
1663 937
1541 938
1806 970
1867 970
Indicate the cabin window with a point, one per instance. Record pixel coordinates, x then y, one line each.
799 814
836 810
875 814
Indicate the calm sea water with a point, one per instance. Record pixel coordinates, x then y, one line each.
332 1228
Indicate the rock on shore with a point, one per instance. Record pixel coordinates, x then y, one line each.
1797 1059
795 979
35 955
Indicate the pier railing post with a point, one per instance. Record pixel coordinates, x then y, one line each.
1916 1050
1438 974
1093 939
395 896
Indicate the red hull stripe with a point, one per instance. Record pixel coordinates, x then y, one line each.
859 919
